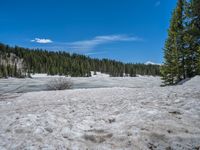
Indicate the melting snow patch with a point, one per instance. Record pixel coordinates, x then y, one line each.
143 117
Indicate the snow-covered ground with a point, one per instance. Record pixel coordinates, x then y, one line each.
40 82
44 75
138 115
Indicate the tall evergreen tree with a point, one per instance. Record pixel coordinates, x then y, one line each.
198 61
5 72
195 32
192 36
173 68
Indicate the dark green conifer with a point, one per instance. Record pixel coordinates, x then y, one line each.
173 68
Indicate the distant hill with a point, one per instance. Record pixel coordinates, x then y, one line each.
20 62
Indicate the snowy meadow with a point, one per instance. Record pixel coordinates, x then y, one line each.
39 82
100 113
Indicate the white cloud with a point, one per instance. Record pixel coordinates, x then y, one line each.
157 3
99 40
42 41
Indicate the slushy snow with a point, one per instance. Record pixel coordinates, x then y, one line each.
140 117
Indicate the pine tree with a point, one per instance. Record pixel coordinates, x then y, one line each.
5 72
198 61
15 71
195 32
191 36
173 68
1 71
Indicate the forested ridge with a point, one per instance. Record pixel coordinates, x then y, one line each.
63 63
182 47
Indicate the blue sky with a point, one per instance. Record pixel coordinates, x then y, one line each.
125 30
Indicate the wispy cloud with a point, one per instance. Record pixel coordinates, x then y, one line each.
42 41
85 46
157 3
95 53
100 40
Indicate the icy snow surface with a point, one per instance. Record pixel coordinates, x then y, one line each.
40 82
141 116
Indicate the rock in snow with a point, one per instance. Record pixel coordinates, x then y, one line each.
103 118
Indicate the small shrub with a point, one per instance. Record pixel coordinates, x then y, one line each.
60 83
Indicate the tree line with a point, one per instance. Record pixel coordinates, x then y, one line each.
63 63
182 47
